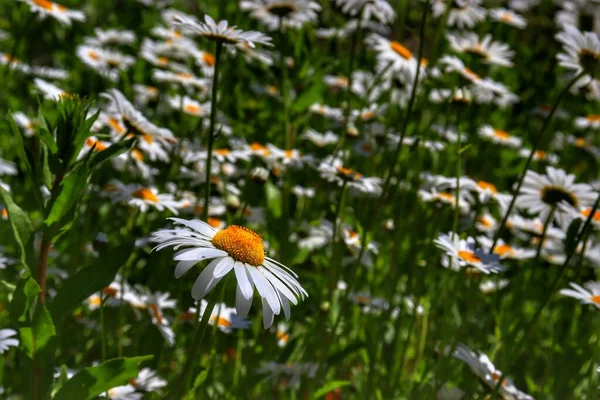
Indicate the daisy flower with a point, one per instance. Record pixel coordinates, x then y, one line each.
320 139
144 198
493 285
7 340
461 253
499 136
590 121
233 248
508 17
483 368
462 14
50 91
104 37
392 52
27 124
289 13
61 13
336 114
221 32
588 294
333 170
7 167
504 250
379 9
226 318
541 194
486 223
189 106
185 79
489 51
107 63
539 155
126 392
282 334
148 381
581 52
582 214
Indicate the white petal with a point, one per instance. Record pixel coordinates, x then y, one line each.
243 281
268 315
223 267
199 254
183 267
242 304
205 281
265 289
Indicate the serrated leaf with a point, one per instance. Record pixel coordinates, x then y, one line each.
19 222
113 151
71 188
328 388
93 381
88 281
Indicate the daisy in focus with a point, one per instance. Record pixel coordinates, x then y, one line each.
233 248
461 253
221 32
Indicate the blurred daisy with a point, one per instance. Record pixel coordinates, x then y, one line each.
582 214
148 381
50 91
504 250
289 13
104 37
320 139
61 13
486 223
493 285
541 194
282 335
462 14
221 32
27 124
461 253
539 155
489 51
332 170
7 340
483 368
590 121
588 294
7 167
379 9
225 318
107 63
392 52
185 79
499 136
126 392
581 52
326 111
146 197
233 248
189 106
508 17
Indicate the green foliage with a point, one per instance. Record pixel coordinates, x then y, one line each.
93 381
19 222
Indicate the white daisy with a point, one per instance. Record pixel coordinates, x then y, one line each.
221 32
50 91
144 198
581 52
320 139
508 17
290 13
499 136
541 194
504 250
588 294
462 14
233 248
489 51
333 170
461 253
590 121
481 366
61 13
148 381
379 9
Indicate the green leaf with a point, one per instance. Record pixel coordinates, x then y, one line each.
48 139
83 132
113 151
19 221
191 395
37 336
306 99
88 281
71 188
47 177
329 387
27 289
93 381
20 145
273 199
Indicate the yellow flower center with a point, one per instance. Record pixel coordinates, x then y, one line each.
114 123
487 186
472 75
506 17
540 155
214 222
348 173
137 155
595 299
469 256
222 152
281 335
99 145
221 321
48 5
367 115
4 213
401 50
580 142
95 301
587 211
162 60
112 292
500 134
496 377
485 222
156 313
209 59
503 249
446 196
93 55
145 194
593 117
241 244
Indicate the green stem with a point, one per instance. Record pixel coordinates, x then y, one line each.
536 145
543 235
211 132
458 172
333 271
102 328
